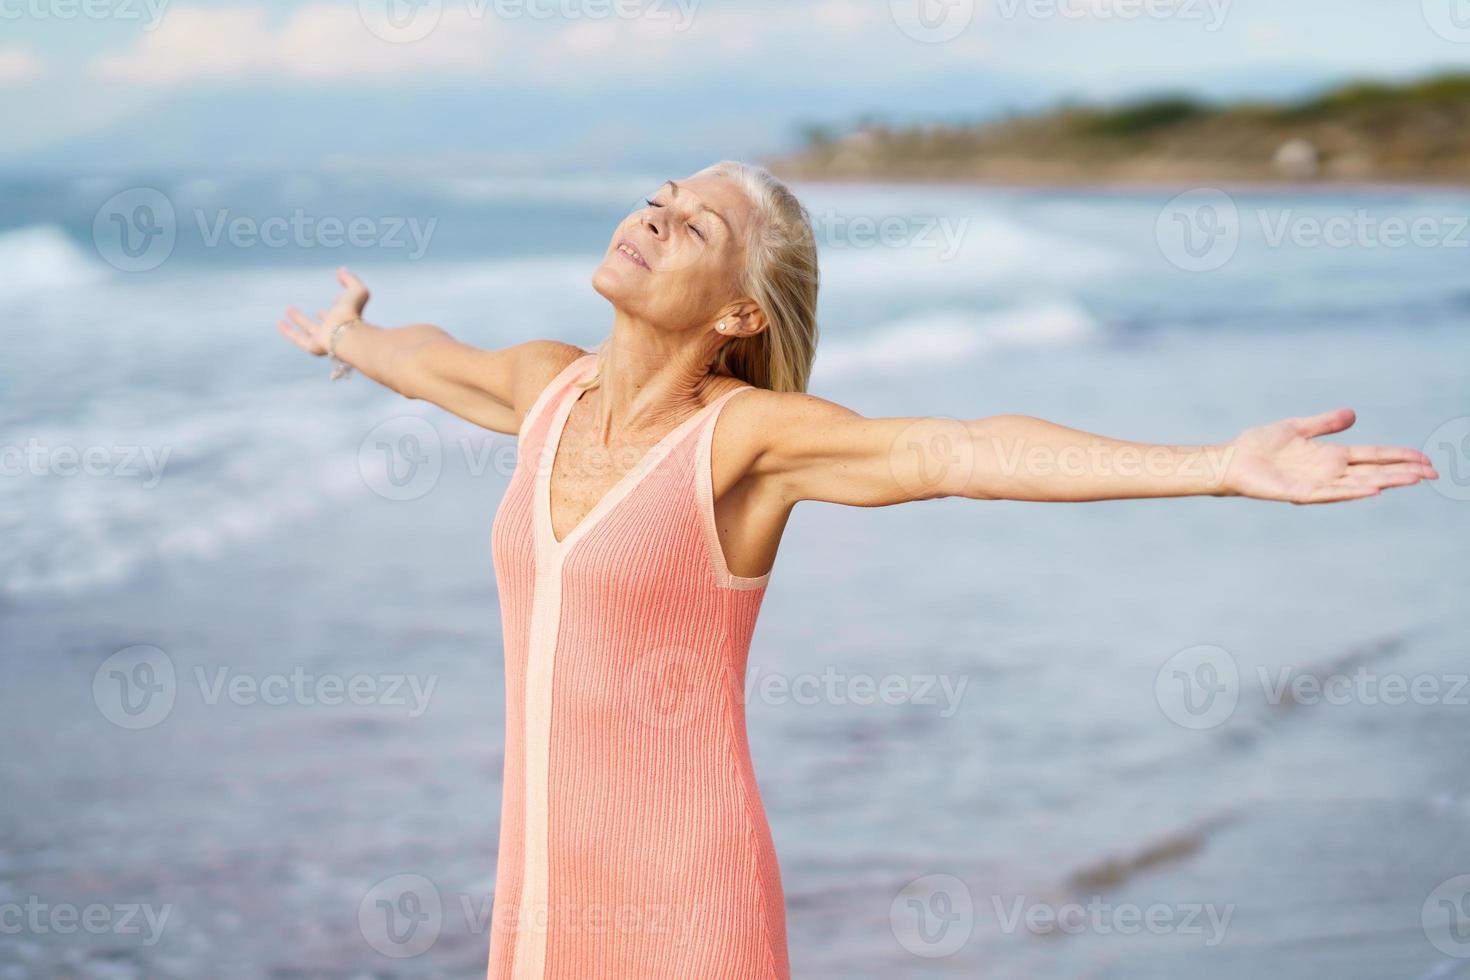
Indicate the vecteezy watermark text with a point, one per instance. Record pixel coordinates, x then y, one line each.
1200 687
137 688
150 12
939 21
405 914
1201 230
38 459
941 232
1101 917
302 230
835 687
137 230
34 916
407 21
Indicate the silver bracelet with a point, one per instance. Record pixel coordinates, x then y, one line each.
340 368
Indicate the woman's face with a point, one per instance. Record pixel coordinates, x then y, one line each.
676 261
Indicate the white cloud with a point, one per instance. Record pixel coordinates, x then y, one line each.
325 41
1265 35
19 65
723 41
317 42
843 16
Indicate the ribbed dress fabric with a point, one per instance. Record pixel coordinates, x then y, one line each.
633 841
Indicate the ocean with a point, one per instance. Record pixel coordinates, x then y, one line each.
252 697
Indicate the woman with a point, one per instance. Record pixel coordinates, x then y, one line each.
634 545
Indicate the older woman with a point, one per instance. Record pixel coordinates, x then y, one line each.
635 541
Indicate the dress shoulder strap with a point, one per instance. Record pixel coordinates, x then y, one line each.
704 497
555 389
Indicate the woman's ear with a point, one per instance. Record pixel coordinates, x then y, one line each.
748 320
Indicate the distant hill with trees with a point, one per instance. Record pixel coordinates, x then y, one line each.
1360 132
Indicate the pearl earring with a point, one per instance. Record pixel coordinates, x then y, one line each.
721 326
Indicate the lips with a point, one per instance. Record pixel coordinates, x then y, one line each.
630 252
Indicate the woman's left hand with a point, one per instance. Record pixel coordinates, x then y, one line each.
312 335
1282 461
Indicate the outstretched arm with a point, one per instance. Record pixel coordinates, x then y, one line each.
491 388
825 452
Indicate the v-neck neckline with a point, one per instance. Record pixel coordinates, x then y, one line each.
624 485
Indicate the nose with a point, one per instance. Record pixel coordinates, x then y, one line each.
648 221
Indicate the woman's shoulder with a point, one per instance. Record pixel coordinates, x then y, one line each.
768 429
783 407
550 359
543 364
754 418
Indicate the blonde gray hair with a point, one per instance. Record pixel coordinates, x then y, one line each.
780 275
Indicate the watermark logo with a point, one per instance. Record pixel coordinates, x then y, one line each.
1450 19
1362 229
1198 687
301 229
932 21
38 459
299 687
150 12
1104 918
932 457
407 21
943 234
37 918
138 229
1099 459
668 687
933 916
401 916
135 230
673 257
139 686
662 689
400 21
402 458
1449 448
1211 14
1446 917
835 687
1199 230
136 687
1362 687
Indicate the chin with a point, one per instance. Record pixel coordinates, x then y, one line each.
612 282
602 280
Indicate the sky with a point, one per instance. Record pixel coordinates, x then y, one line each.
536 86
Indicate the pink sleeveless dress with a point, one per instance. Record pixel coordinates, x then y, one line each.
633 841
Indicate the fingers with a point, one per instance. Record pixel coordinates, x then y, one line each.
1385 454
301 319
293 335
1393 471
1326 423
305 332
351 283
298 328
1369 480
1336 494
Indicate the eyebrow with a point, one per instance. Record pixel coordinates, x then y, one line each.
704 207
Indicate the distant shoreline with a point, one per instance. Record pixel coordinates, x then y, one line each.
1236 185
1357 136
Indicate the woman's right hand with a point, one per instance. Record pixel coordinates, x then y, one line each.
312 335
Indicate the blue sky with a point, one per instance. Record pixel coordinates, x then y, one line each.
532 86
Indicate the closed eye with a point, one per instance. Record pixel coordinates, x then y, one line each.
692 227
